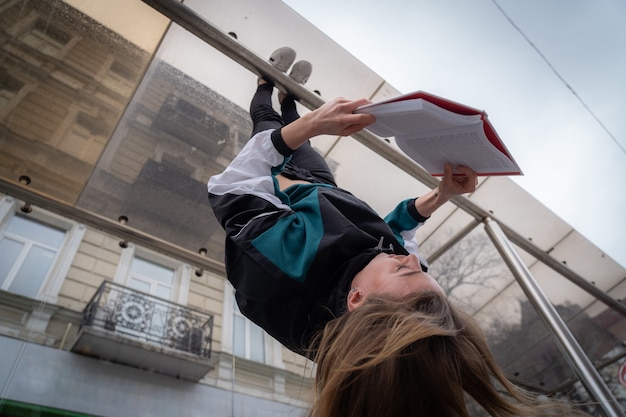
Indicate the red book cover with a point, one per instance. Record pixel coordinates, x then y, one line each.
392 113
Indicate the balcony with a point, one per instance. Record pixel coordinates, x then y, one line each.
192 125
133 328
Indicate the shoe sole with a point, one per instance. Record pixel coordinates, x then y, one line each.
301 71
283 58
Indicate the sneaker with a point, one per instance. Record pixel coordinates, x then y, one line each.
282 58
301 71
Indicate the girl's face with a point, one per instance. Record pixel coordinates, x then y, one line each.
396 275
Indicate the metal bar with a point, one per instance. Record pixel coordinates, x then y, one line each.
563 270
229 46
197 25
96 221
564 339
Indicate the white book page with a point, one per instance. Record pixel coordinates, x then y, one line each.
456 146
410 116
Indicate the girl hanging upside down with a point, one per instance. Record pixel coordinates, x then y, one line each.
325 275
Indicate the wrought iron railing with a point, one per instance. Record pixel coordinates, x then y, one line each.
149 319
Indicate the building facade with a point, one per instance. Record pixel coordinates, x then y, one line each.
97 307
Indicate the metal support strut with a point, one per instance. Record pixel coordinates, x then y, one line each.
564 339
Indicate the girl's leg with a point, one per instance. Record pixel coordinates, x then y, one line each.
263 115
306 163
288 107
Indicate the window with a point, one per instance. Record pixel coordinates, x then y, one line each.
248 338
28 249
157 280
85 138
151 278
46 38
9 88
157 275
154 274
245 339
120 78
36 250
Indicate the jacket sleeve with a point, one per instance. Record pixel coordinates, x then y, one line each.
404 220
247 188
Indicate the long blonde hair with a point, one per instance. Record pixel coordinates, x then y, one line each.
418 356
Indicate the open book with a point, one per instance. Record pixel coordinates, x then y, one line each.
434 131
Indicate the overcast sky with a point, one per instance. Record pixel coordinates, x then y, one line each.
550 74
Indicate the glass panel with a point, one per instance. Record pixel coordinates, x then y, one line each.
9 87
239 336
471 272
175 134
257 344
32 272
153 271
139 285
36 231
9 250
69 78
47 39
477 280
163 291
521 342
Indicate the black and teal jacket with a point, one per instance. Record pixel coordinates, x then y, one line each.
291 255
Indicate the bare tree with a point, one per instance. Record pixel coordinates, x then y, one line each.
472 264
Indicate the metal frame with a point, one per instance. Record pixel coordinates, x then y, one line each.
571 350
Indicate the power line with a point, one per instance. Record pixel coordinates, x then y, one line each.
559 76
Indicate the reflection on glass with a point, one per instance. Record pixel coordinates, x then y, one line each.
530 354
48 40
477 280
175 134
471 272
64 82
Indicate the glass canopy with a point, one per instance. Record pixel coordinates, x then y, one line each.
126 123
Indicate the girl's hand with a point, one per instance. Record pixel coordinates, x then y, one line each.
453 185
335 117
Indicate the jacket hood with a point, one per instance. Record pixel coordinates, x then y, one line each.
344 276
348 270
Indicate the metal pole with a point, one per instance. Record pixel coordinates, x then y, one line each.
564 339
